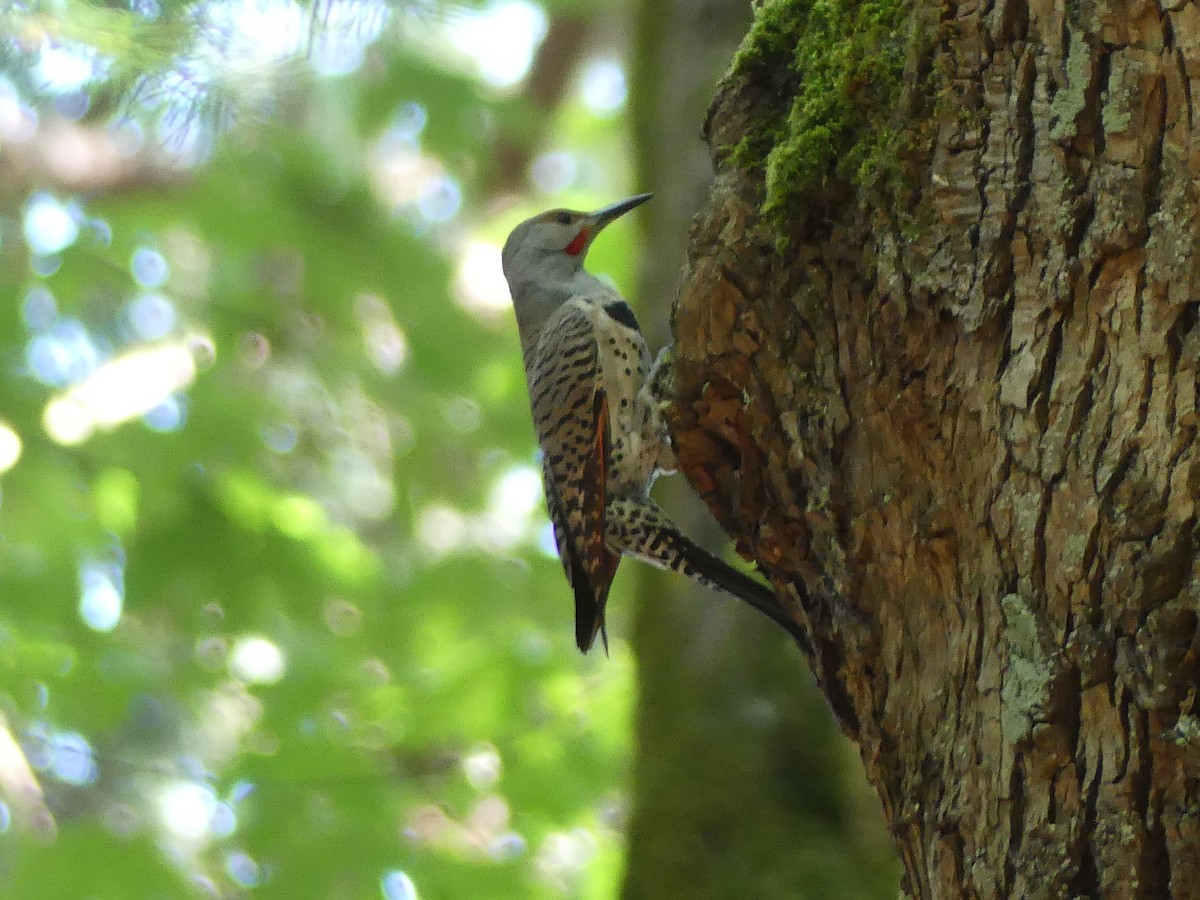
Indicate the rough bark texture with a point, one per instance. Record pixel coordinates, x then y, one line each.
742 786
970 440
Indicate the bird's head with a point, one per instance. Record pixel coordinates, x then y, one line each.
551 246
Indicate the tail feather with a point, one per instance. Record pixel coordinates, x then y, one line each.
705 568
640 529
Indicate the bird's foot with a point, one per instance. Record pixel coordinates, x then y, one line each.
659 382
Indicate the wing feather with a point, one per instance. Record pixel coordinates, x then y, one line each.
572 420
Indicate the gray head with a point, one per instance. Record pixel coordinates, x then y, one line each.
543 254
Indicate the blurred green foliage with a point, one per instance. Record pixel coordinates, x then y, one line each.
277 614
327 481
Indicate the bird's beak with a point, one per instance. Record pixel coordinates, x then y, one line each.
595 222
613 211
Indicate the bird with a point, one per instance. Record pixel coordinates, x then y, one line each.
593 392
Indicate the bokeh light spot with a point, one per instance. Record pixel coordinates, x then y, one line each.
101 595
125 387
464 415
71 758
482 767
212 653
99 231
152 316
386 343
342 617
546 542
387 347
479 283
554 172
563 854
507 846
39 309
168 416
45 266
10 446
502 38
149 268
396 885
409 120
63 355
18 120
49 225
440 199
225 821
67 422
72 105
63 68
242 869
604 88
441 528
518 492
186 809
254 349
246 34
338 47
257 660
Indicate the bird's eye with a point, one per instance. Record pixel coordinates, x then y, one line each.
562 218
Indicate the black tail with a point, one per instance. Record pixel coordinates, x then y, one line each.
702 566
639 528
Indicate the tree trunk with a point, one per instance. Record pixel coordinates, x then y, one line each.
742 786
958 426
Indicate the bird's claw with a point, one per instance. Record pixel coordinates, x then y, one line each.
660 382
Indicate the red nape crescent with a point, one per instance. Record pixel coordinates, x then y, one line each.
577 243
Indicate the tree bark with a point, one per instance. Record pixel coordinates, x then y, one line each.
961 437
742 786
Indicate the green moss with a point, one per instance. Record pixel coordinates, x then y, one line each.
840 63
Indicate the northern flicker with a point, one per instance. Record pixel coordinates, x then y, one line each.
597 419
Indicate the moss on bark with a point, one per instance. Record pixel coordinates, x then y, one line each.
832 77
